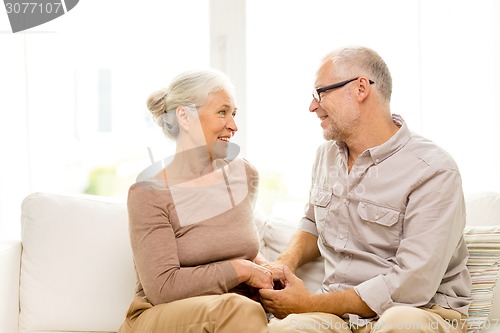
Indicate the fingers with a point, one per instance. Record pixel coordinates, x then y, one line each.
272 300
261 277
267 293
277 270
252 274
292 299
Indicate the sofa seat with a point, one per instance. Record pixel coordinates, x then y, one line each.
73 269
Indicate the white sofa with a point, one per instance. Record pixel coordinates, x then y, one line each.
73 270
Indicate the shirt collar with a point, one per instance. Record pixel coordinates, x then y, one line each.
395 143
379 153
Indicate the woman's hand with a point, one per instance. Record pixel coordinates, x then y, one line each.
252 274
276 269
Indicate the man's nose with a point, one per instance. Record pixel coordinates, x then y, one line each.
313 106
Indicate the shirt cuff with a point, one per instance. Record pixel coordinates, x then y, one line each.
375 294
308 226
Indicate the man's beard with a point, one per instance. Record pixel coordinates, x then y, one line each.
342 129
333 133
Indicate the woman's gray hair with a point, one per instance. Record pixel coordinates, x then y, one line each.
187 89
350 62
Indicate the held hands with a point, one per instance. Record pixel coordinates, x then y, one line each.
292 299
292 295
276 269
252 274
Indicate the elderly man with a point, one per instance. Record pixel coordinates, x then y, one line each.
386 212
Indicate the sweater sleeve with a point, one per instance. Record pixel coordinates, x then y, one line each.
156 256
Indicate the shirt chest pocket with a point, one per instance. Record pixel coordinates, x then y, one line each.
379 227
321 200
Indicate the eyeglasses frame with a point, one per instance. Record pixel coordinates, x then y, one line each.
334 86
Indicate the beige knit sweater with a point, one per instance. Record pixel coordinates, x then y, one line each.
184 236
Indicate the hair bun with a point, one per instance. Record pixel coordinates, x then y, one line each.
156 103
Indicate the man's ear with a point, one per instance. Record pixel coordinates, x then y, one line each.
363 89
182 117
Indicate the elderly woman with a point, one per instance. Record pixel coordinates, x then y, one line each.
192 229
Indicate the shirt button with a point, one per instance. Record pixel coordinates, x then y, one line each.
377 217
377 160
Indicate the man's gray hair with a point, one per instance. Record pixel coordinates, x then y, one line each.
353 61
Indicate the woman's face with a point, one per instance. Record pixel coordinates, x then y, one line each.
217 121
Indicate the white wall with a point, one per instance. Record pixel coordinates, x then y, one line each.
460 43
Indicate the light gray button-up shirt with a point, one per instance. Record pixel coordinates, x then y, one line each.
392 228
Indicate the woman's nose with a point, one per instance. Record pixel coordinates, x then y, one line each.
231 124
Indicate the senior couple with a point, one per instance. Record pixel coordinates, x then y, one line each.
395 258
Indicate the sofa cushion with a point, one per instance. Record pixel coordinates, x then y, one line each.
77 271
483 209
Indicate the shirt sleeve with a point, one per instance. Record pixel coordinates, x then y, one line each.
308 222
432 234
155 253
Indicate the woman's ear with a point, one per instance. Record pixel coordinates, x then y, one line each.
182 117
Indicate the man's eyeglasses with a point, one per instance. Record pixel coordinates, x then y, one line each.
317 92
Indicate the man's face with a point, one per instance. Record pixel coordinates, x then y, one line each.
335 109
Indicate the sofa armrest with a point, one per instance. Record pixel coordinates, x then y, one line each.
10 264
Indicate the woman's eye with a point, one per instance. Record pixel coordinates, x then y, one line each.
222 113
234 114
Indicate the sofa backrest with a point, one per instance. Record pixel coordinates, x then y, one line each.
77 271
483 209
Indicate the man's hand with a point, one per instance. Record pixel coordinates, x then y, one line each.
292 299
295 298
